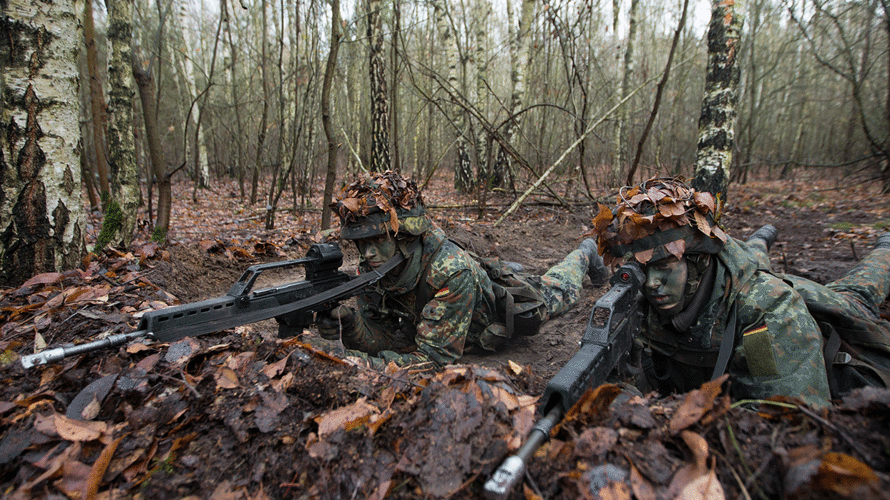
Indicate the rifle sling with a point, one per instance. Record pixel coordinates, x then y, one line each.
727 343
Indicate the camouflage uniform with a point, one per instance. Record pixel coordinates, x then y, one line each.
408 322
778 342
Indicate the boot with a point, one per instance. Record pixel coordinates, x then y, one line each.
596 270
767 234
883 241
515 266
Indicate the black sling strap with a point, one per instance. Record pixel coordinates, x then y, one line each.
727 343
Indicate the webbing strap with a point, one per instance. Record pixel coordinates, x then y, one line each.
727 343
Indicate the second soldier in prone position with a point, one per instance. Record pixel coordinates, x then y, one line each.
440 299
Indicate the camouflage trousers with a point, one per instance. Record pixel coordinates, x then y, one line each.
863 288
561 284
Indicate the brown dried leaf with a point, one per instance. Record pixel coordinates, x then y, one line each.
844 474
696 404
593 403
701 222
704 201
676 248
79 430
274 369
43 279
347 417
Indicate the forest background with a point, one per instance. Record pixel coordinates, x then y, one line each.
573 99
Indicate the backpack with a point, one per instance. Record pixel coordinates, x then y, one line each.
856 349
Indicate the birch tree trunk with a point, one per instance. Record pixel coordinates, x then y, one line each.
188 67
123 171
482 11
718 112
519 58
380 160
463 171
621 125
41 211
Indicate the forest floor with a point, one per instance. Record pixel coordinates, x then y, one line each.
242 414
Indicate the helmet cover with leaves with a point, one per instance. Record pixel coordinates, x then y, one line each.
380 203
659 218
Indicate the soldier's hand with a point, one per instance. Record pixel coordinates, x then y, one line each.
331 324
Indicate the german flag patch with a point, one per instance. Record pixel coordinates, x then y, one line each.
755 331
442 292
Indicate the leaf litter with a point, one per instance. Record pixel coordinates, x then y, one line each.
241 414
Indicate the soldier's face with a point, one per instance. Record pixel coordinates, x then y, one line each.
666 283
377 250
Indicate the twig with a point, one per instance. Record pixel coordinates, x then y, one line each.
734 475
565 154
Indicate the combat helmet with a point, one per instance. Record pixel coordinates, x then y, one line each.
380 203
656 219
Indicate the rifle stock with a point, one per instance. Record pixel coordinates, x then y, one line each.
294 304
613 322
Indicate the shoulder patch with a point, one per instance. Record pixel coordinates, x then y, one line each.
760 352
442 292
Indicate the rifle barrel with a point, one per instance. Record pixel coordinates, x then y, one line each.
58 353
510 473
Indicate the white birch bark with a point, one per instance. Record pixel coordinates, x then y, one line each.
121 143
41 211
718 115
481 16
621 139
462 173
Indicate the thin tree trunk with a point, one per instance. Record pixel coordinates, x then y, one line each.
261 133
188 66
145 84
394 92
239 130
329 133
97 103
380 159
658 93
622 125
463 172
519 47
121 144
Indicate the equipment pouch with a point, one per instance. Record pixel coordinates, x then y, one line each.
520 306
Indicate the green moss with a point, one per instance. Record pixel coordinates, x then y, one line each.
842 226
159 235
111 225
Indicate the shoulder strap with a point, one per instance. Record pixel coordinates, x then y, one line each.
727 343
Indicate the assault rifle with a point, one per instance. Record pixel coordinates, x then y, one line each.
293 305
614 321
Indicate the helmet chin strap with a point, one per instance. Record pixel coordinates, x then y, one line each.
684 319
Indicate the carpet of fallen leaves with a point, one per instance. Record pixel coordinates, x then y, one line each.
242 414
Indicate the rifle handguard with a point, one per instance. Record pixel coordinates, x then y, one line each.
608 336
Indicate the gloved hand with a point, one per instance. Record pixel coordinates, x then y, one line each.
331 324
